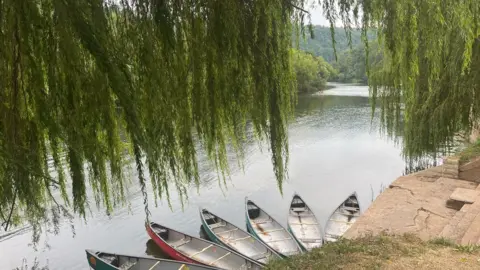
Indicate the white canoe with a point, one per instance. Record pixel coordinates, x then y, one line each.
269 231
303 225
231 236
342 218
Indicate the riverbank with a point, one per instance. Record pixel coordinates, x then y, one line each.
425 220
385 252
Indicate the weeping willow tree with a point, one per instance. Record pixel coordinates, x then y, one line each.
85 84
428 84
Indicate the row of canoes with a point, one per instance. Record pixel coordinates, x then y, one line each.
232 247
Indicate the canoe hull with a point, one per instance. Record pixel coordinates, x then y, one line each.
342 219
170 251
98 264
303 225
296 239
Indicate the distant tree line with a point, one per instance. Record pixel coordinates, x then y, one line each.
349 65
312 72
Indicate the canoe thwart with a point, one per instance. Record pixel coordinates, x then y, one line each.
292 223
153 266
239 239
278 240
198 252
229 231
180 242
218 259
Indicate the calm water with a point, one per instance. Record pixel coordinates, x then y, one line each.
334 151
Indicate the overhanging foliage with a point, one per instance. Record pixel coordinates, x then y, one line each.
84 81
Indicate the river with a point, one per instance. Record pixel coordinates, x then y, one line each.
335 150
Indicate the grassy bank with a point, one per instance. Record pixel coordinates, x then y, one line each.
470 152
385 252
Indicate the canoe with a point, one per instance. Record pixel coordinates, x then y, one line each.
183 247
109 261
342 218
229 235
303 225
269 231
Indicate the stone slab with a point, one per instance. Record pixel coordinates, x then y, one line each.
465 195
449 231
411 205
472 234
465 224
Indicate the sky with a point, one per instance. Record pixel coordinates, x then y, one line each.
317 16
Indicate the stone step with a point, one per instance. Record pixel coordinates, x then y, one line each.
449 231
464 195
466 221
472 234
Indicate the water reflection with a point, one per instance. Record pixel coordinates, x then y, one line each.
154 250
334 150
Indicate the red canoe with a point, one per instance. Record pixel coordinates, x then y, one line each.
182 247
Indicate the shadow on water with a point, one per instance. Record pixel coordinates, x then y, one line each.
154 250
203 234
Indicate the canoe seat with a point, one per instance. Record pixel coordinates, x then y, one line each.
278 240
349 208
298 209
262 221
180 242
273 230
310 240
239 239
289 253
216 225
305 224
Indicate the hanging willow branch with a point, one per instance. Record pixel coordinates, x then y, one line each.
85 82
428 84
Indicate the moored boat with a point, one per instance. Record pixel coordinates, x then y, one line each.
109 261
231 236
342 218
183 247
303 224
269 231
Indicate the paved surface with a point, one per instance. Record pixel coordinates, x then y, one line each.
415 203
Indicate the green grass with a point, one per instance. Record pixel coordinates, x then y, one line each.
380 252
470 152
